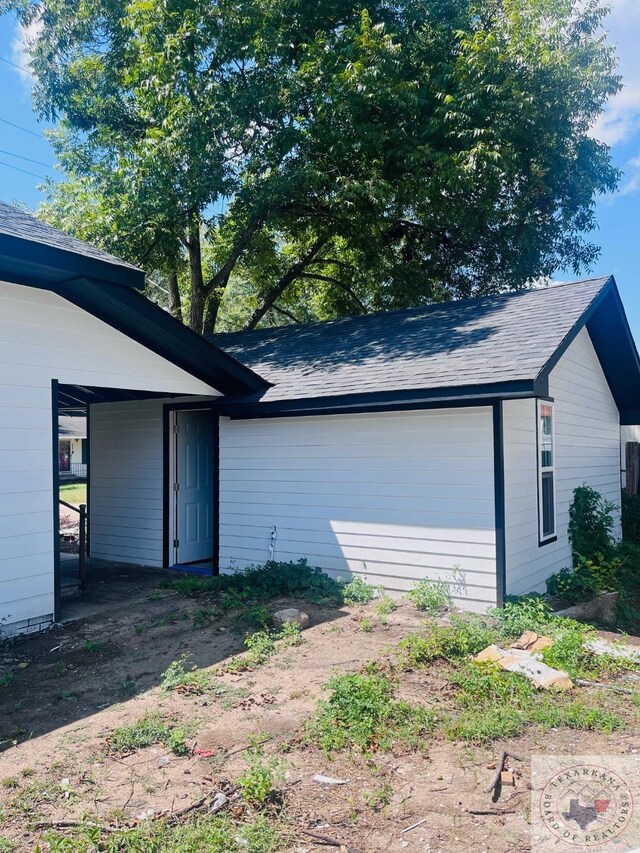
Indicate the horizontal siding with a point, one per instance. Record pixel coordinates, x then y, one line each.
44 337
391 497
126 482
587 448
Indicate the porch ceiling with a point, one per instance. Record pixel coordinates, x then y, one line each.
74 398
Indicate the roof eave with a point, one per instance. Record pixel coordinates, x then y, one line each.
376 401
24 260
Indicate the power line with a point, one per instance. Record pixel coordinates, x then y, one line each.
28 159
14 65
25 171
19 127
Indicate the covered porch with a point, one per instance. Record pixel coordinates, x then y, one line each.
151 488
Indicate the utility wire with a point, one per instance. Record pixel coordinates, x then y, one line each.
28 159
19 127
13 64
18 169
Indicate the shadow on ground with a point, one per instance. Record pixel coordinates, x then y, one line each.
125 631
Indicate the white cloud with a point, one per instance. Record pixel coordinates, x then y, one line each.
632 177
23 40
621 119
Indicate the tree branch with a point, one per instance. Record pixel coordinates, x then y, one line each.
286 313
338 283
276 291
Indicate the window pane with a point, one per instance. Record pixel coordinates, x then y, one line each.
546 432
548 520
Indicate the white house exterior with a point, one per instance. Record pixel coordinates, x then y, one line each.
442 442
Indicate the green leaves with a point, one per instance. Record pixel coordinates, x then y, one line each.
438 149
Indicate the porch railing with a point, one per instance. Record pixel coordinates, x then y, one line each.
74 469
82 539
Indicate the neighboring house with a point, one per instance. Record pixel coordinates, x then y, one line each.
441 442
72 446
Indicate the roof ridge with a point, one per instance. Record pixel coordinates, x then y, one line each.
432 306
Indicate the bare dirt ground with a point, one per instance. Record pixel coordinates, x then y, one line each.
70 687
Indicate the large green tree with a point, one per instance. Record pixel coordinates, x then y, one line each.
333 156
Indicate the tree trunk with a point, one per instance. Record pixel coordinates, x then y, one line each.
211 315
175 302
280 286
198 292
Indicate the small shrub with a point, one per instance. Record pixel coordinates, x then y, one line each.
523 613
590 524
431 597
363 713
589 577
263 583
358 591
261 645
467 635
365 625
93 646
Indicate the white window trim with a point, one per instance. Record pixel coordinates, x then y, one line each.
549 537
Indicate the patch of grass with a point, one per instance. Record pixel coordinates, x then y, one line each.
7 845
431 597
149 730
467 635
363 713
7 678
93 647
262 645
358 591
365 625
74 493
494 704
569 654
215 834
204 617
30 797
179 676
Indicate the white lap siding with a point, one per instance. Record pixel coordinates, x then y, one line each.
587 450
393 497
44 337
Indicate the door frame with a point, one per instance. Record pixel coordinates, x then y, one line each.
168 462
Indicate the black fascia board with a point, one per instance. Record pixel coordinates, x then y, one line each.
32 260
387 401
572 334
140 319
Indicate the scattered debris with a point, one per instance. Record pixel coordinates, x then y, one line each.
413 826
256 701
290 616
219 801
499 765
600 686
329 780
532 642
614 650
205 753
524 663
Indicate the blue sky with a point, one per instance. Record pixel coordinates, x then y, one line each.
618 215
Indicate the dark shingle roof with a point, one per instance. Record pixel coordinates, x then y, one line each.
472 342
16 223
72 426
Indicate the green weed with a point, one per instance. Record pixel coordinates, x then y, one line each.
358 591
93 646
258 782
362 712
522 613
467 635
178 676
431 597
